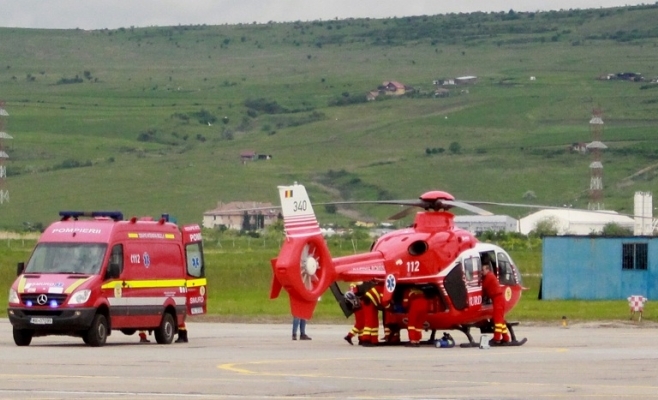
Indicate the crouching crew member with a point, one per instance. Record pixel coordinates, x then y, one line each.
415 303
372 304
354 302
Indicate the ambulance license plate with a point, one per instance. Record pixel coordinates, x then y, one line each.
41 321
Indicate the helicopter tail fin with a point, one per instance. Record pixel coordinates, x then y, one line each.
304 267
298 216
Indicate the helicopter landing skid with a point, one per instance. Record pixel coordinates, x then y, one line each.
510 343
466 329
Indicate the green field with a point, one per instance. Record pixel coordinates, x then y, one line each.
239 277
153 120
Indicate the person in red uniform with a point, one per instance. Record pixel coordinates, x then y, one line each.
182 334
372 304
492 289
143 338
354 302
415 303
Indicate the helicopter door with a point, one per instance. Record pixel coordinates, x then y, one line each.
472 273
455 287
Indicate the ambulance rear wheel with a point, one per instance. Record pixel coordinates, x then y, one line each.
166 331
22 337
97 334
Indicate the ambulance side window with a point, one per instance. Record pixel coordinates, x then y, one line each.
194 259
115 266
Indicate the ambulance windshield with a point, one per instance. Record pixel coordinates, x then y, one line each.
67 258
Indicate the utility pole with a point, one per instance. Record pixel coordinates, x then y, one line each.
596 167
4 192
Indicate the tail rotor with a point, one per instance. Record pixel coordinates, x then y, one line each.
309 268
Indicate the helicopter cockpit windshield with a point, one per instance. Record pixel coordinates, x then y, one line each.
67 258
507 273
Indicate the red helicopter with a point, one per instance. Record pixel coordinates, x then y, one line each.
432 254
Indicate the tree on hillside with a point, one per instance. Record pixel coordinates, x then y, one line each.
455 148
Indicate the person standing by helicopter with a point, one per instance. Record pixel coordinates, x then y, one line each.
492 289
299 323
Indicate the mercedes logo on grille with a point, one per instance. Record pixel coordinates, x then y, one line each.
42 299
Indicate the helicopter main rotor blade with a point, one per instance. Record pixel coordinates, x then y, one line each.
414 203
468 207
493 203
401 214
434 205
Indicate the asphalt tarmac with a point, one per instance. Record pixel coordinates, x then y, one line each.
260 361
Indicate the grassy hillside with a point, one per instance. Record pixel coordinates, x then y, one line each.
153 120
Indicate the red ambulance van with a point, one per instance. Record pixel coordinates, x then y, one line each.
93 272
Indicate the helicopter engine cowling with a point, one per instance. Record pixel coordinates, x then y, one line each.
305 269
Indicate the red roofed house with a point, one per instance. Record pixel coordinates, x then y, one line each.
247 156
394 88
241 215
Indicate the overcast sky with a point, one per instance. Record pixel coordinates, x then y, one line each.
99 14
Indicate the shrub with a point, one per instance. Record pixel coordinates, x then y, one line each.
68 81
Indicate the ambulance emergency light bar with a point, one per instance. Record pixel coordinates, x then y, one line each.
115 215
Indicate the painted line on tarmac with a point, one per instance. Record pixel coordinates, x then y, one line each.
234 367
41 378
48 394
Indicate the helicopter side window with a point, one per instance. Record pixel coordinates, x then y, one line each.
506 274
472 271
468 269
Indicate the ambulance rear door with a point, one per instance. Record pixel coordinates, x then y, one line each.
196 284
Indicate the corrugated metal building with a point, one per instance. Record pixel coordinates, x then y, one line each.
599 268
575 222
483 223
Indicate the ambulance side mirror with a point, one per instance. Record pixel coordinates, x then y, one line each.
113 271
20 267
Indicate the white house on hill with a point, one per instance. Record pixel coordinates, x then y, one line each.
239 214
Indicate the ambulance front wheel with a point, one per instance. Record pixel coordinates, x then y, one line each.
22 337
164 334
96 336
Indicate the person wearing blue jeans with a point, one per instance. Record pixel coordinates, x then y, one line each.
301 324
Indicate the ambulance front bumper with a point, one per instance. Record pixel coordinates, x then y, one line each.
51 321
